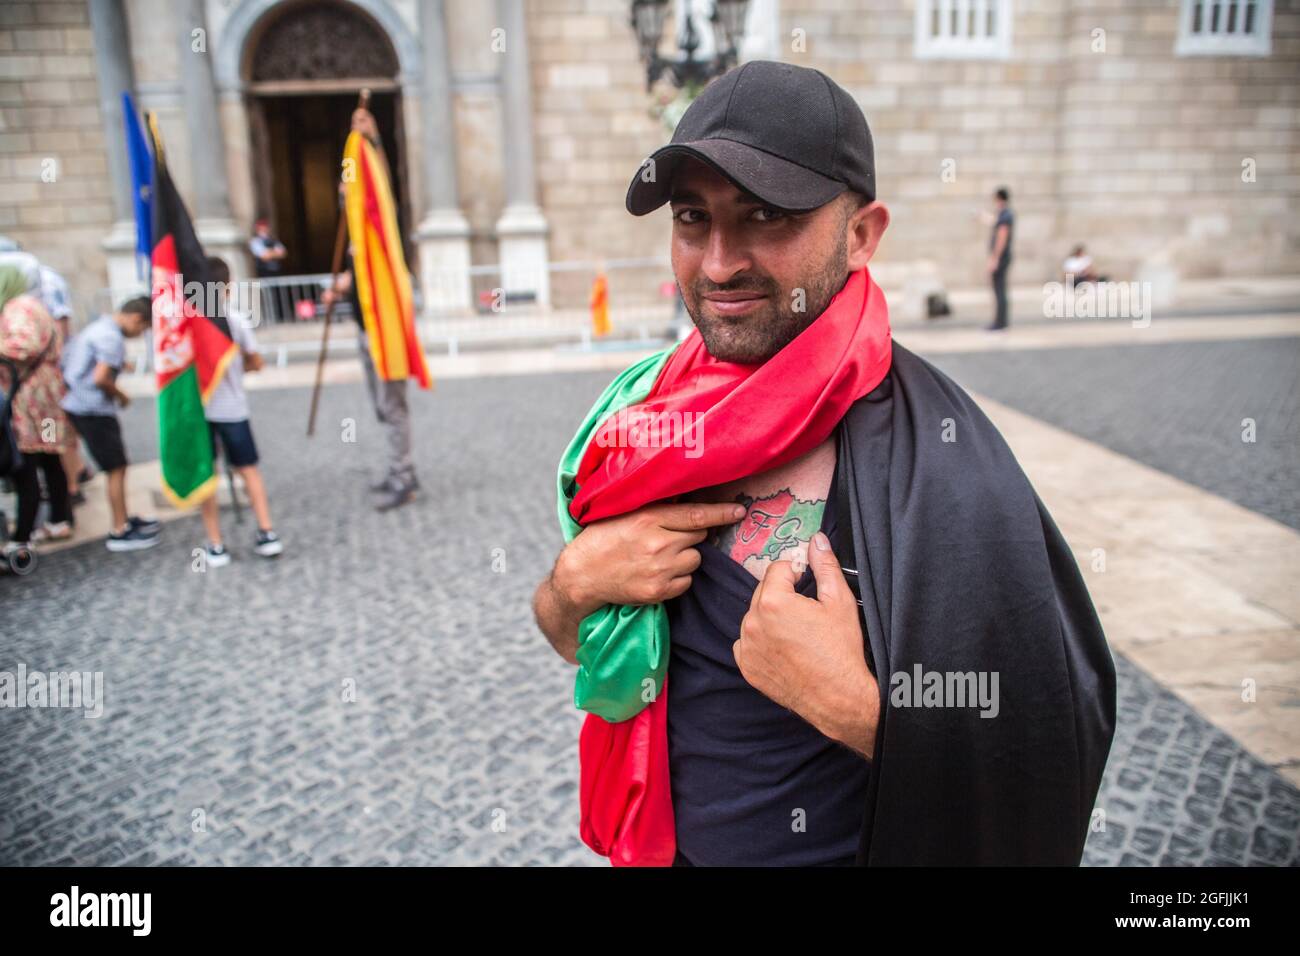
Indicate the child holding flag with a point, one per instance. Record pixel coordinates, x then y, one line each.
227 414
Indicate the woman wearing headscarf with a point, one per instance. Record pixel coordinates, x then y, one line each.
30 339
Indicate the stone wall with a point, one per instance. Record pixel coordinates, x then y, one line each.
593 127
1132 149
54 185
1126 146
1153 146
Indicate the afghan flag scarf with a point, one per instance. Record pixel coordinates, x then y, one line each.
739 420
383 283
191 348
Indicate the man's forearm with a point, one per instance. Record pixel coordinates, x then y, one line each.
558 616
852 715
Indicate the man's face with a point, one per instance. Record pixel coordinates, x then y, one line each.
752 277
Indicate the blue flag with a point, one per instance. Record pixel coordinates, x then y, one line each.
141 184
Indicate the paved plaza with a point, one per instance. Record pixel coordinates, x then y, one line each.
380 695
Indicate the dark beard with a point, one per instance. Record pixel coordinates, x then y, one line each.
753 339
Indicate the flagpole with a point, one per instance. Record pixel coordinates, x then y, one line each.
363 101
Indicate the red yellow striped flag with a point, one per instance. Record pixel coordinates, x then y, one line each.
383 283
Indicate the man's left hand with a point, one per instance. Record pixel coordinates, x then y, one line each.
808 655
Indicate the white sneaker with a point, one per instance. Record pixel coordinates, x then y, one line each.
268 544
217 556
54 531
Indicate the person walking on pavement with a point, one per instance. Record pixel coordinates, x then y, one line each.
398 484
1000 255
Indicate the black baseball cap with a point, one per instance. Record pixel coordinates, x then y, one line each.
787 134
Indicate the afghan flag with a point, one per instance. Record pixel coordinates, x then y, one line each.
191 349
383 284
746 419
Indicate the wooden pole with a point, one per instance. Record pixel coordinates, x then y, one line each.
362 103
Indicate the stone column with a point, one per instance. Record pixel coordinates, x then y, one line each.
443 233
113 69
213 222
522 229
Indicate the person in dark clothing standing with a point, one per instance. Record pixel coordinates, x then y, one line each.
1000 255
268 251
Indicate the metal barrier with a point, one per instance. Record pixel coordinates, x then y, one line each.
504 308
293 298
507 306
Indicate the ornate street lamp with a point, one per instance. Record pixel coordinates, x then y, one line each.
728 22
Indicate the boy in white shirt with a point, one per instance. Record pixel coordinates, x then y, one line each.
227 415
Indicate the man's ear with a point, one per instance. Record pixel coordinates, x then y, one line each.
865 228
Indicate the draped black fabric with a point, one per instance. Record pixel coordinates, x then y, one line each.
962 571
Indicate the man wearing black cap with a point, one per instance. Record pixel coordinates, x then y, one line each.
884 653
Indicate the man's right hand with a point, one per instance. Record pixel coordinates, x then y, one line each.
644 557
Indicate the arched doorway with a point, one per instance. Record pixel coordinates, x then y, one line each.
304 64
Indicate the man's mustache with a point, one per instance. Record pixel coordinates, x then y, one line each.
740 285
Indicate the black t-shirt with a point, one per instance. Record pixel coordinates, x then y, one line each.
752 782
1008 219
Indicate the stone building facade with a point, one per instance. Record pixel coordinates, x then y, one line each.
1146 128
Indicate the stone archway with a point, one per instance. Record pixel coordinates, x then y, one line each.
248 15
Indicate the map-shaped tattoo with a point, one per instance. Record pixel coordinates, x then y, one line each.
771 525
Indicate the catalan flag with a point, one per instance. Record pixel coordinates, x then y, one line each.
383 284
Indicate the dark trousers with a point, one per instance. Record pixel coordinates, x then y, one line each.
1000 294
28 487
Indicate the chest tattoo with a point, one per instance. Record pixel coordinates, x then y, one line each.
773 525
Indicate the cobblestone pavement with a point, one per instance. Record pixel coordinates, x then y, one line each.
1176 407
226 737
